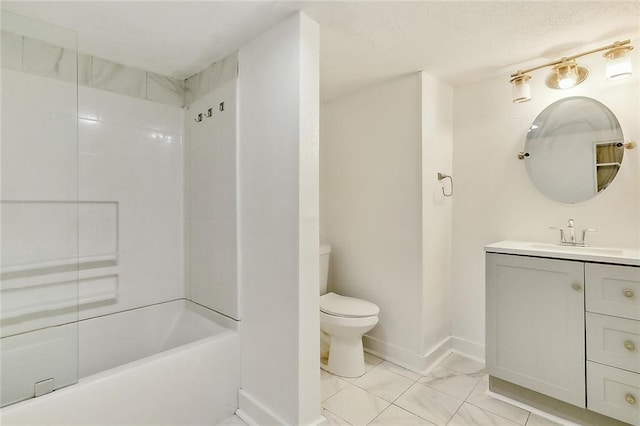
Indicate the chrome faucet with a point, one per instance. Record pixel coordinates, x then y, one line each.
572 234
571 241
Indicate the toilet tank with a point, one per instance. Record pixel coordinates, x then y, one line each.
325 250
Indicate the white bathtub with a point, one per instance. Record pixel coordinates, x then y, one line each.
175 363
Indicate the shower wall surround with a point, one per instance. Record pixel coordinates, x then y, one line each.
129 171
212 77
40 268
211 201
20 53
131 155
32 56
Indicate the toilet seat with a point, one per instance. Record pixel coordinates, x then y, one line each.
348 307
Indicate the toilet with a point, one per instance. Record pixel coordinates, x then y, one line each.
344 320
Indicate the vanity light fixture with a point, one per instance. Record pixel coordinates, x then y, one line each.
618 62
566 72
521 88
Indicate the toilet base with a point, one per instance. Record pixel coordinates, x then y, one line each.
346 357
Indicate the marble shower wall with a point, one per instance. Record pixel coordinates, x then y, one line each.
211 78
37 57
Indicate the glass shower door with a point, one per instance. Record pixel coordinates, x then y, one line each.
38 209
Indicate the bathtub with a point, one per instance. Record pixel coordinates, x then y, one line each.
174 363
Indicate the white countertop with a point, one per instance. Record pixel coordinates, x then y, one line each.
621 256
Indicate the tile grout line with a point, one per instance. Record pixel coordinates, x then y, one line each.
528 417
456 412
493 413
402 393
338 416
413 383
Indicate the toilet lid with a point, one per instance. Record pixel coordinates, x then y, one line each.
334 304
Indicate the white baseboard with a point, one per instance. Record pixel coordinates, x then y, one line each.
468 348
420 363
254 413
423 363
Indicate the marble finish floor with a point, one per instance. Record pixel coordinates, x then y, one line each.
453 394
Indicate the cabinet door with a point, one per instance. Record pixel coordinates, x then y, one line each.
535 324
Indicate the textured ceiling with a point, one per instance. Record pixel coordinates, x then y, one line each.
361 42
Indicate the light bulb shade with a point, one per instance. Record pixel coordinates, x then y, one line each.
521 88
619 63
565 75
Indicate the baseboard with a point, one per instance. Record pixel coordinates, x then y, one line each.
419 363
467 348
254 413
423 363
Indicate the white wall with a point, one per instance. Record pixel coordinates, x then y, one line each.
383 211
210 191
371 184
437 144
495 199
278 87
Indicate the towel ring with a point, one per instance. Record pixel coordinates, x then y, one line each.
442 176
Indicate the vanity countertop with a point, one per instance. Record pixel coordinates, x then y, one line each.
621 256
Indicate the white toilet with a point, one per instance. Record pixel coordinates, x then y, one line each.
344 320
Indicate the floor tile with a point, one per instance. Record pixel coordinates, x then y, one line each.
396 416
355 405
428 403
333 419
232 421
384 383
468 415
463 365
535 420
330 384
400 370
450 382
480 399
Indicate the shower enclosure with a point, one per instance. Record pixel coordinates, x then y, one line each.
40 253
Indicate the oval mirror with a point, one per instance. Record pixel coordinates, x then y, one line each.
574 149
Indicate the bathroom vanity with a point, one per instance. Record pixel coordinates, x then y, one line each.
563 329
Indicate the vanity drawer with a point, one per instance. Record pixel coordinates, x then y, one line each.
613 341
613 290
613 392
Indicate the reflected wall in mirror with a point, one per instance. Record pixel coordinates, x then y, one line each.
575 147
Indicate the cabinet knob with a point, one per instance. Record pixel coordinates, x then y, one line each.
630 399
629 345
627 293
576 286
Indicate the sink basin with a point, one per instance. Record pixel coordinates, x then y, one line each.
577 249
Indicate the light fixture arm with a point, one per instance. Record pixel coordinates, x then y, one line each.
572 57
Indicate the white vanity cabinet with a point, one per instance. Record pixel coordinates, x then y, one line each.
566 325
535 324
